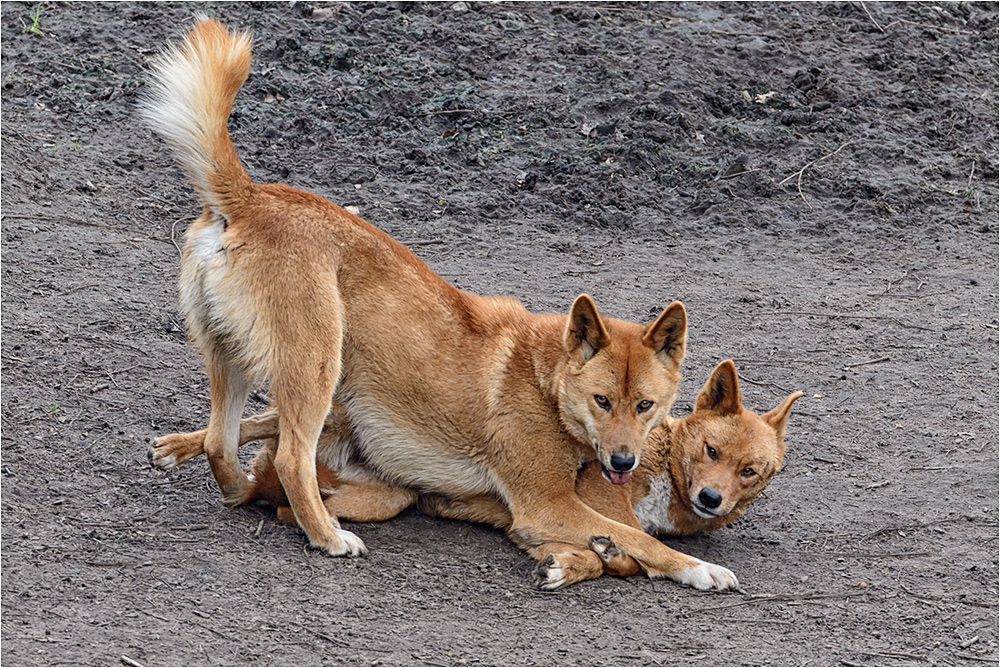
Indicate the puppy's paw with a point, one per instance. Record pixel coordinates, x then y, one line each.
705 576
344 544
172 450
161 458
614 561
604 547
550 574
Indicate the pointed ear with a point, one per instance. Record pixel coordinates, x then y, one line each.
667 335
585 331
778 417
722 391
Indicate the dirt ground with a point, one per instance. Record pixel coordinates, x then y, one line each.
817 183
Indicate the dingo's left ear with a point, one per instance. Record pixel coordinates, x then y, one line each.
778 417
667 335
585 331
721 392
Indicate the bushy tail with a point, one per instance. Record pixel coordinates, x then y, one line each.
192 88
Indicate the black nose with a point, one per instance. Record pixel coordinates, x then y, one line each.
709 498
623 462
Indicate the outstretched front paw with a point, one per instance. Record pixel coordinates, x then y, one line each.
566 565
703 575
550 574
172 450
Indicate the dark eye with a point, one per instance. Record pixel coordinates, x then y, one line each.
712 454
644 406
602 401
748 472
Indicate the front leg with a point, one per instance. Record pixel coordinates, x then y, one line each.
545 508
559 564
565 518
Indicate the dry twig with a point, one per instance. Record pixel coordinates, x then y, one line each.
897 655
798 183
880 359
777 598
880 28
930 27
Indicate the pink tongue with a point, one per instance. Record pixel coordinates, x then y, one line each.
619 478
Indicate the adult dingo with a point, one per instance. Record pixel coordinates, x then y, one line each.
280 285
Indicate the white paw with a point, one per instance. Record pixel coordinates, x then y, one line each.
164 462
352 545
704 575
160 458
550 574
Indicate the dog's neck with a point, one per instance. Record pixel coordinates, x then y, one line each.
542 345
540 348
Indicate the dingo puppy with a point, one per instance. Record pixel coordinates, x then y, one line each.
280 285
698 473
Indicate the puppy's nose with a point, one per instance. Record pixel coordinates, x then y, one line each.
709 498
621 461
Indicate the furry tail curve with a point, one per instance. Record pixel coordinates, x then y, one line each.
192 88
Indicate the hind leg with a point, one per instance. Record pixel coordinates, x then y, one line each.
229 388
174 449
358 497
361 502
368 500
485 509
300 424
306 370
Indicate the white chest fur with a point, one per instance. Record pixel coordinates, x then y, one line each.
651 510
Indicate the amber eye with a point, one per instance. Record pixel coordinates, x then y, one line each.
712 454
602 401
748 472
644 406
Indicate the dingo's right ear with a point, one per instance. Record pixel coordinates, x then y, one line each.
778 416
585 331
722 391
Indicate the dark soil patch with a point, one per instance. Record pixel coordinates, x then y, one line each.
819 186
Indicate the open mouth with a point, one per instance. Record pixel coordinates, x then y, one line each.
615 477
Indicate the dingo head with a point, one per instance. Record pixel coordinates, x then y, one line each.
729 453
620 381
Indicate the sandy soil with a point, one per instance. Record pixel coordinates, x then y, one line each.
817 184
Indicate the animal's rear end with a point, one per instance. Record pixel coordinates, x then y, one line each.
258 289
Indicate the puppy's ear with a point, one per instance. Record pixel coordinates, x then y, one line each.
585 331
778 417
722 391
667 335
